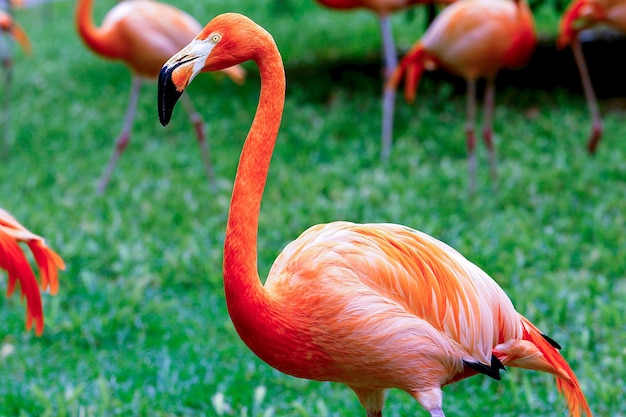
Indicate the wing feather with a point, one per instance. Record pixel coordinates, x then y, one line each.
425 277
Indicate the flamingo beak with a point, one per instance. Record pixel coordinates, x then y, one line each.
168 94
175 76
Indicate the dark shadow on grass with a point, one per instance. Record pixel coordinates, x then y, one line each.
549 69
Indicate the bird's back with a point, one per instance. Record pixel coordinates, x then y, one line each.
378 277
615 13
150 33
478 37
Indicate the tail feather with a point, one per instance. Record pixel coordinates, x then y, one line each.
411 67
15 262
49 263
538 352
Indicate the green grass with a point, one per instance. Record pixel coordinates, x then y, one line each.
140 328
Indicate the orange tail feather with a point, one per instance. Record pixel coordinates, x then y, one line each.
538 353
49 263
15 262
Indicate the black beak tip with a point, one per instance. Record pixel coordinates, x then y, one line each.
168 95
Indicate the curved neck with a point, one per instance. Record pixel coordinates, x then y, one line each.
245 295
96 38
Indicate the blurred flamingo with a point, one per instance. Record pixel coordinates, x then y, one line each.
580 15
22 4
373 306
383 8
472 38
143 34
13 260
9 27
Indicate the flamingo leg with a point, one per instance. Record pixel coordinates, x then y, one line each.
124 137
470 132
488 110
198 123
592 102
389 94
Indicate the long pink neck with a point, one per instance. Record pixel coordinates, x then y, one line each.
245 296
96 38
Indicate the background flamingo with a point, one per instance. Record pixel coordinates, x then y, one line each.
143 34
20 4
13 260
373 306
580 15
472 38
383 9
9 28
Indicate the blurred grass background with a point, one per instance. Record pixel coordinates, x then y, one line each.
140 328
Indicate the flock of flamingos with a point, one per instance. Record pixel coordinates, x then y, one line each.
386 306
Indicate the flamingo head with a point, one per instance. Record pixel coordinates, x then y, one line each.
227 40
580 15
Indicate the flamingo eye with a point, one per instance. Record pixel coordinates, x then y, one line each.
215 38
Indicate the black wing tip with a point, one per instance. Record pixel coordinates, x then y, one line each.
492 371
168 95
552 342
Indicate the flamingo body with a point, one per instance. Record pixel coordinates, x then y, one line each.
474 39
13 260
477 38
365 279
581 15
143 34
373 306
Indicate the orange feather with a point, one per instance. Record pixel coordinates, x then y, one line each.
373 306
14 261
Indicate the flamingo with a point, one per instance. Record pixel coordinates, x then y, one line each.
10 27
472 38
372 306
580 15
23 4
383 8
143 34
13 260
